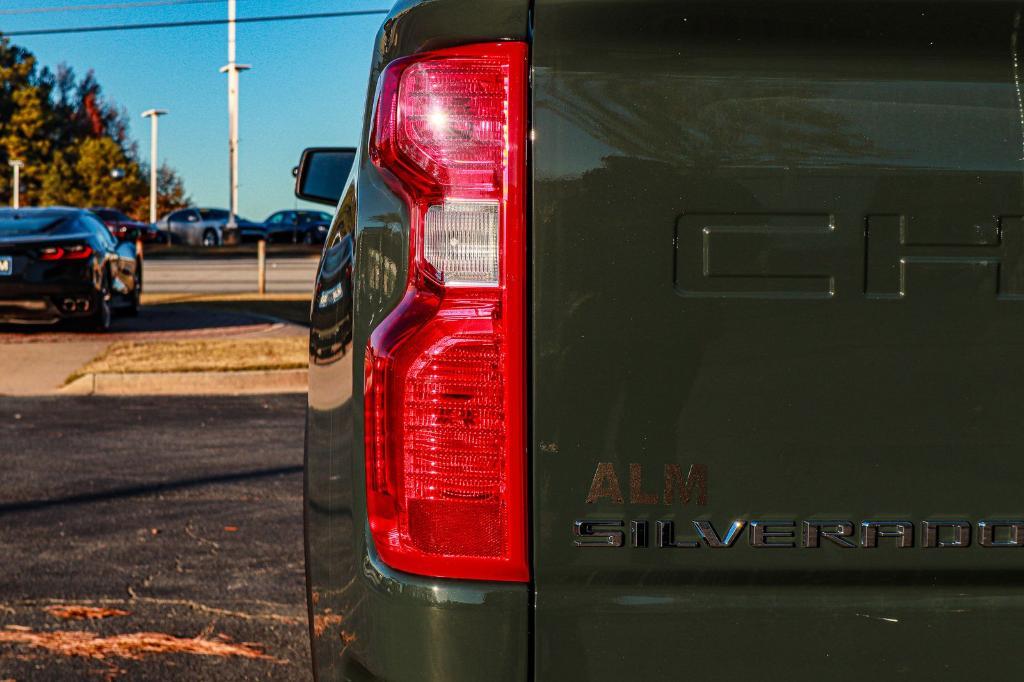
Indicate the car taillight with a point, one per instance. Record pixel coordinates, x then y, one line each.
76 252
445 371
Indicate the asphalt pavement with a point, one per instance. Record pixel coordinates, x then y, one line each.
227 275
179 519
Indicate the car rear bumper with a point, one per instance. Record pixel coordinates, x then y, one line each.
45 303
46 310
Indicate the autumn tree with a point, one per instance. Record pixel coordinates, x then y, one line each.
170 193
73 140
84 175
26 118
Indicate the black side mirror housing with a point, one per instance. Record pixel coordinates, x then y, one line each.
322 173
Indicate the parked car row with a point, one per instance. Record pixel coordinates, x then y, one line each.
82 265
209 227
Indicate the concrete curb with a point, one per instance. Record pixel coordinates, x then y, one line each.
190 383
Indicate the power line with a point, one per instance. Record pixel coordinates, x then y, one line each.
197 22
106 6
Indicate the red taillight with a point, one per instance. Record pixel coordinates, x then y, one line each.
445 371
76 252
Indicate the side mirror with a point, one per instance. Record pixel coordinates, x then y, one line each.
322 173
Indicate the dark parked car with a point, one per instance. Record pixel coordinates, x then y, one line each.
63 264
298 226
687 343
124 227
208 227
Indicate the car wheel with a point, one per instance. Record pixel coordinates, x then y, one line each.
99 321
210 238
136 300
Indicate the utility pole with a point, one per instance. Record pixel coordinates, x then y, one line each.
154 135
232 69
16 195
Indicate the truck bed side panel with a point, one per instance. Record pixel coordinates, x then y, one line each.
778 252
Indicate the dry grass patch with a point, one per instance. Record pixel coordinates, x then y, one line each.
233 355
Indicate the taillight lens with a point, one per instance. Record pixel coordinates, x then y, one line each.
75 252
445 371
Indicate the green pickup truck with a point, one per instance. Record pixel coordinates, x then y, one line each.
673 340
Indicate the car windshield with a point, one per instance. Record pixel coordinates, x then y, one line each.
213 214
13 223
109 214
314 217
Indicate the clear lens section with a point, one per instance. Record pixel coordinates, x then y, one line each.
460 239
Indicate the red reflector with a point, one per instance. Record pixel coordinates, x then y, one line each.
444 391
78 252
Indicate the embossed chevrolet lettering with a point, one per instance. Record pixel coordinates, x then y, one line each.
802 256
790 534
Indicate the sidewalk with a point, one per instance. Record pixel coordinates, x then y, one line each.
41 368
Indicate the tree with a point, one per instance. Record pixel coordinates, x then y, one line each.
84 176
26 118
72 139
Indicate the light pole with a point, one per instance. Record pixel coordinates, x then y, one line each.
154 115
232 69
16 194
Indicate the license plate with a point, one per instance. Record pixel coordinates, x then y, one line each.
6 265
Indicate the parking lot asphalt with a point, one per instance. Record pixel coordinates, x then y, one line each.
228 275
179 519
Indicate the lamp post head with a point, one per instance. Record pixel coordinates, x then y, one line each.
153 112
16 163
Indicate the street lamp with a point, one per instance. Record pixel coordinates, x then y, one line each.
232 70
153 115
16 195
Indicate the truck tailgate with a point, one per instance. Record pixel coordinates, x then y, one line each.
778 288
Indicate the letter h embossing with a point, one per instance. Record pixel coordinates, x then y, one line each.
996 255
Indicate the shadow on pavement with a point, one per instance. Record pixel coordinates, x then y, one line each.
156 321
147 489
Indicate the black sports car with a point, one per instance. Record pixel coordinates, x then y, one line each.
62 263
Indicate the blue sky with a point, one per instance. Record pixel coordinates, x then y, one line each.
306 87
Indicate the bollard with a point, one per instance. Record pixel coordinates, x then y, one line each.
138 248
261 266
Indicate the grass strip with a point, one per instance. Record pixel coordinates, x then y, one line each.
207 355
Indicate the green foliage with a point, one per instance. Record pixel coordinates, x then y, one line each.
72 140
